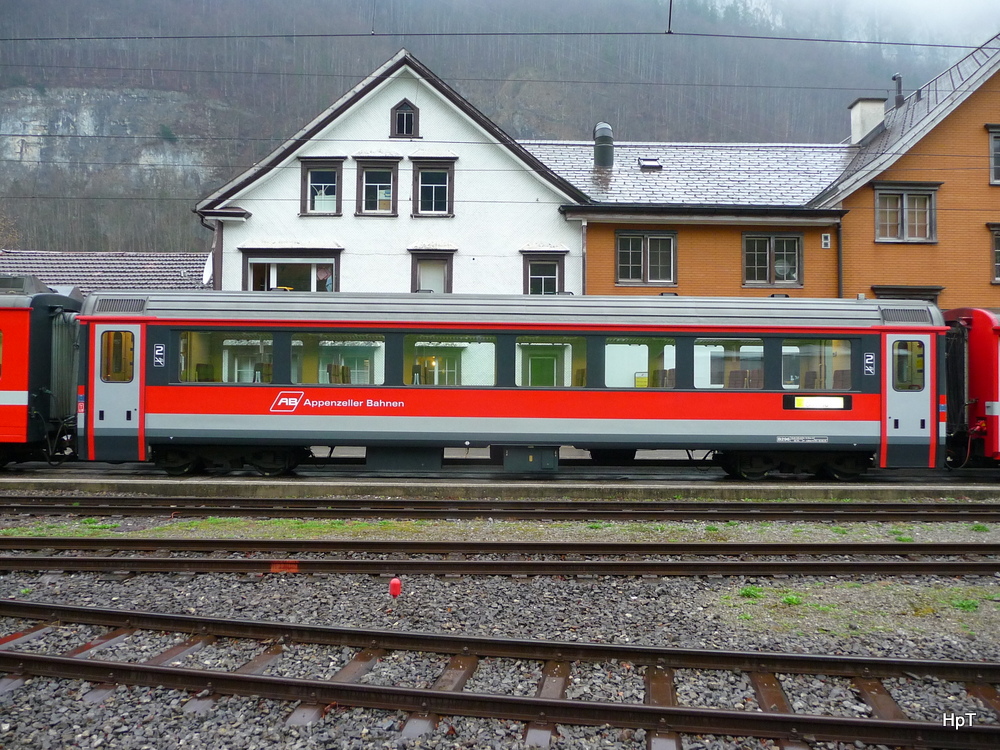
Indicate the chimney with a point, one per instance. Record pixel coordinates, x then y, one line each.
604 145
898 78
866 115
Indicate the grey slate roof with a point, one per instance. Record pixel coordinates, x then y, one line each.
713 174
90 271
920 112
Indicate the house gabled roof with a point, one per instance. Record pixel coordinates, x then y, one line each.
731 175
915 117
89 271
402 59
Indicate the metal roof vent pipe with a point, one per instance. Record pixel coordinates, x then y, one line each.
604 145
898 78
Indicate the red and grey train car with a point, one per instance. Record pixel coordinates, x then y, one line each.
37 374
263 378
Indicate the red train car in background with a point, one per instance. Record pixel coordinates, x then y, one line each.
37 371
973 357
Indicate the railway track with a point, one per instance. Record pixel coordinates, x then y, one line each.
662 671
554 510
506 559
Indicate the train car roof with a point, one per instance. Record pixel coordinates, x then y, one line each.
513 309
29 291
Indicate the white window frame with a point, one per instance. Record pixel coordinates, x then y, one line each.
646 275
310 166
907 195
994 131
995 234
446 191
274 261
774 273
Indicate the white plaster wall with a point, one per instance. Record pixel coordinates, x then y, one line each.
500 209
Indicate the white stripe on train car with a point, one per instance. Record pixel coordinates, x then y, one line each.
13 398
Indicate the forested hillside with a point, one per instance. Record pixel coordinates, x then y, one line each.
116 116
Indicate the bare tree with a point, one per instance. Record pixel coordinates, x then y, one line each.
10 238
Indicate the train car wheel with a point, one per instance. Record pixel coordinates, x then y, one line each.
750 467
843 468
178 463
274 463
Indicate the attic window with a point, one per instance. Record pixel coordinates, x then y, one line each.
649 163
405 121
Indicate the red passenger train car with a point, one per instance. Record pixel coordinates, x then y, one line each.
974 387
37 375
264 378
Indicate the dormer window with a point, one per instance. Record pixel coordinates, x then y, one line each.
405 121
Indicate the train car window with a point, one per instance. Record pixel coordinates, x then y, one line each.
551 361
908 365
640 362
226 356
816 364
729 363
338 359
117 356
449 359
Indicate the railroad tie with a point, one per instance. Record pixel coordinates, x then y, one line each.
771 697
660 691
200 704
361 664
555 676
454 677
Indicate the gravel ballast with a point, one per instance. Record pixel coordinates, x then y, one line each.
926 617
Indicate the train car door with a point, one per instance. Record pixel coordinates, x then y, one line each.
910 426
116 378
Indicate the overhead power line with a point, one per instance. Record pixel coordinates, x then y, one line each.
145 70
479 34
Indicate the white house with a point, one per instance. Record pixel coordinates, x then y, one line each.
400 186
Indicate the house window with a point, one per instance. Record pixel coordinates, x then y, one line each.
293 274
996 252
644 258
995 154
377 188
321 191
405 121
905 213
434 188
772 260
431 271
544 272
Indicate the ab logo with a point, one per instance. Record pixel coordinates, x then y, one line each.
287 401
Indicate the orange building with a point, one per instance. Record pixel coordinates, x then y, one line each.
908 207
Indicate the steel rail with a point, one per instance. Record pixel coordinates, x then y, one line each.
654 718
502 567
514 648
383 503
560 711
611 513
549 549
